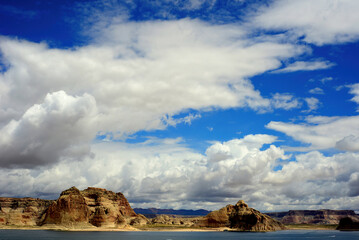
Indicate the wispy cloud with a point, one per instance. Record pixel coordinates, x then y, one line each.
354 89
305 66
312 103
326 79
18 12
319 22
140 75
285 101
314 130
316 90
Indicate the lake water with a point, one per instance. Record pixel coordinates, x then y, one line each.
280 235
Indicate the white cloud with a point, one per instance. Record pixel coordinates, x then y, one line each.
143 71
305 66
57 128
142 74
165 173
319 22
321 132
326 79
316 90
348 143
314 178
354 89
285 101
313 104
354 184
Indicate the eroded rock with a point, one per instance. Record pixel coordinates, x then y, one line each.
91 207
242 218
22 211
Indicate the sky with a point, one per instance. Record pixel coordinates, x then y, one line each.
182 104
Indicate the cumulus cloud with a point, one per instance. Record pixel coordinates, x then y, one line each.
166 173
322 132
354 185
57 128
348 143
141 75
305 66
319 22
147 75
133 68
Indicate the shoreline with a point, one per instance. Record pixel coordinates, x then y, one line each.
159 229
124 229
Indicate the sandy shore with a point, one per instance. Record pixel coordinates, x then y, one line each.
124 229
152 229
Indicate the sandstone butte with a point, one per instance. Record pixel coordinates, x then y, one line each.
242 218
92 207
102 209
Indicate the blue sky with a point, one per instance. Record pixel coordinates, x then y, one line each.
197 103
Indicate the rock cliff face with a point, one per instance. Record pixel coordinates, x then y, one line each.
22 211
347 224
92 207
242 218
106 208
69 209
218 218
314 216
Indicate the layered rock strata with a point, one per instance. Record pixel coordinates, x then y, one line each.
244 218
22 211
92 207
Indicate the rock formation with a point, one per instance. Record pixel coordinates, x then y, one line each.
70 209
22 211
313 216
218 218
175 220
347 224
92 207
242 218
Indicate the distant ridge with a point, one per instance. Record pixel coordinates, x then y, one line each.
153 212
323 216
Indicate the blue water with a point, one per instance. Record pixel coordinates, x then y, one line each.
281 235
